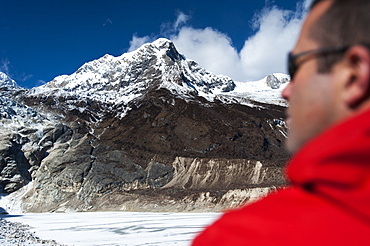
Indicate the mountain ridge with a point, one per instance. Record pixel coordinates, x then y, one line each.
118 74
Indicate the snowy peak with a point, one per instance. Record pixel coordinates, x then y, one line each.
6 83
162 47
267 90
121 79
275 81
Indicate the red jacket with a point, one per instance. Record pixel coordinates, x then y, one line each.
327 203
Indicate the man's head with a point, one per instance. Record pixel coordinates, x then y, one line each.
331 62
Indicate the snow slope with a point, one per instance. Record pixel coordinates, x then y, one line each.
262 91
117 228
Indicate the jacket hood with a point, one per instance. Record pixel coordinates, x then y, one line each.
336 165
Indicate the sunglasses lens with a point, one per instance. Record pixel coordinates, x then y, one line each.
292 68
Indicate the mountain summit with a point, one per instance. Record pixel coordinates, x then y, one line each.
6 83
121 79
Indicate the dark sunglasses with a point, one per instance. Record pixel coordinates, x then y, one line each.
293 65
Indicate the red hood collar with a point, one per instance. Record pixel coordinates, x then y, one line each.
336 164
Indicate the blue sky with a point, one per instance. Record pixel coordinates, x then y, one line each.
246 40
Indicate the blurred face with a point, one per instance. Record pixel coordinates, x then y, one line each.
311 95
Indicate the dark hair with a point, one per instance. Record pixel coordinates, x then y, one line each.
346 22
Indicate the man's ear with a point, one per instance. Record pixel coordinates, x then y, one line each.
357 84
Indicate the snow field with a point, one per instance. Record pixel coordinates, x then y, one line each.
117 228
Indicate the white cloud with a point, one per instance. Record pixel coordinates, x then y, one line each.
40 82
170 28
181 20
307 4
265 52
4 66
262 54
19 77
136 42
22 77
211 49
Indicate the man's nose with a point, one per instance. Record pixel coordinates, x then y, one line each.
287 91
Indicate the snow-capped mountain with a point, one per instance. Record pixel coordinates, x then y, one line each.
148 126
121 79
6 83
15 115
118 81
267 90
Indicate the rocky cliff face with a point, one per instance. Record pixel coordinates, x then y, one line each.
147 131
25 138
